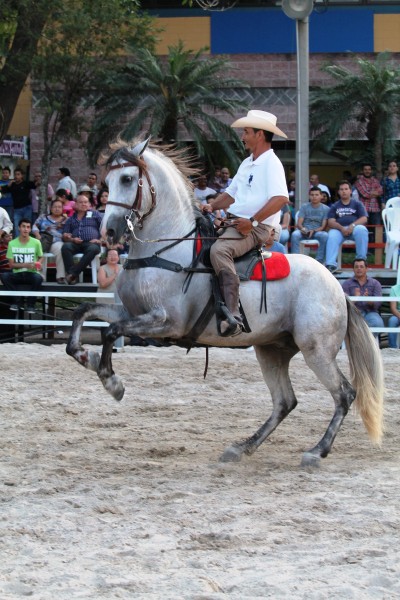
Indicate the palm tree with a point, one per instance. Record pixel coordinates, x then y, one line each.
364 103
168 97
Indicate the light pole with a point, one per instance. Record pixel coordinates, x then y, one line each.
300 11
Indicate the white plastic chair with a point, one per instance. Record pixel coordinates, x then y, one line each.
346 244
391 222
94 265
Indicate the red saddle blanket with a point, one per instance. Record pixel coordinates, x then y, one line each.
277 267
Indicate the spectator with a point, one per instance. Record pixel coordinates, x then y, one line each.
362 285
68 203
65 182
311 224
107 278
37 180
91 182
284 223
391 183
21 195
314 182
201 191
81 236
5 238
347 219
5 222
102 200
226 179
292 194
86 191
25 257
215 181
6 200
272 245
370 191
394 320
53 224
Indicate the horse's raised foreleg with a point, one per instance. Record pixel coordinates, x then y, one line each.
152 324
274 361
343 394
106 312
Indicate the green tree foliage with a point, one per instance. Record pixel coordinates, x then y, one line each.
72 61
364 102
21 26
169 99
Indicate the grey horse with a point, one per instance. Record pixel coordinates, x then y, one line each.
307 312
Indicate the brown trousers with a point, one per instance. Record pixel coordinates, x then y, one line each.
224 251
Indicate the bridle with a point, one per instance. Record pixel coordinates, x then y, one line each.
136 206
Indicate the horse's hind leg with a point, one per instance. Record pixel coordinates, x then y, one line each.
274 361
328 372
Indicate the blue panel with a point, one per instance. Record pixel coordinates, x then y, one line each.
252 32
342 30
270 31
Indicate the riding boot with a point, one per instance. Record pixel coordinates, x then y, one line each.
229 286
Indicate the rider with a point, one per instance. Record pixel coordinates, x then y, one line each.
254 199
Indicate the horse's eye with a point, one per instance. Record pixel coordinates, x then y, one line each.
126 179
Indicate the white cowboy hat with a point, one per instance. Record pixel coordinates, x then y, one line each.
259 119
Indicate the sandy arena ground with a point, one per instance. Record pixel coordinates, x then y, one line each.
104 500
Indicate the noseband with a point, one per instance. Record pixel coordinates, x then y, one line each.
137 203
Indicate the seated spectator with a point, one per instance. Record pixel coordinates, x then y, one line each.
68 202
25 257
284 233
314 182
5 222
272 245
226 179
362 285
311 224
86 191
391 183
81 235
52 224
102 200
346 219
394 320
107 278
215 181
201 191
5 238
92 183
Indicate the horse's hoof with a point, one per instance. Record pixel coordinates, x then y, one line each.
231 454
114 386
310 460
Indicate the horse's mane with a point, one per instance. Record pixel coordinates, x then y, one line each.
179 158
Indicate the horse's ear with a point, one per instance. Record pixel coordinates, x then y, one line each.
140 148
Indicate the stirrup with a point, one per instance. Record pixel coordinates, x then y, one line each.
232 330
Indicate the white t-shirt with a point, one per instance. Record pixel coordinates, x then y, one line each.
256 182
201 195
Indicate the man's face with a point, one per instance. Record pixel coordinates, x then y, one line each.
18 176
250 138
359 268
82 203
37 178
314 180
91 180
25 229
202 182
344 192
315 197
225 174
393 168
367 170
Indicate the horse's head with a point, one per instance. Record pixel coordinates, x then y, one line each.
129 201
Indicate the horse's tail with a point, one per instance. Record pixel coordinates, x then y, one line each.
366 372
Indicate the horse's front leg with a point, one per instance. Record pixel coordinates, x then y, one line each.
106 312
152 324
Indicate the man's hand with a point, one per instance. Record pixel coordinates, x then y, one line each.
243 226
